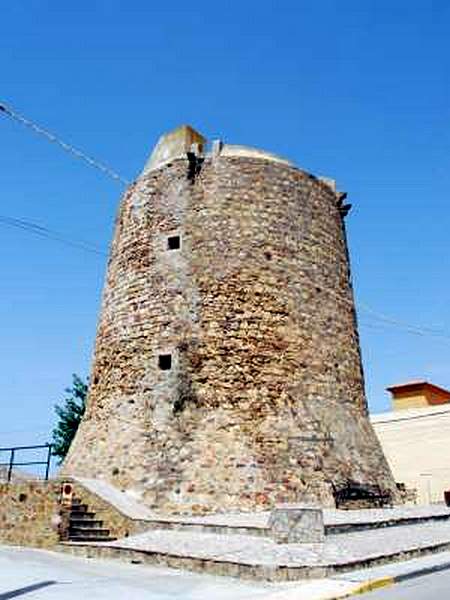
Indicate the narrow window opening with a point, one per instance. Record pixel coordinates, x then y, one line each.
174 242
165 362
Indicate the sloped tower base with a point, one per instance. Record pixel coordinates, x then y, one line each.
227 371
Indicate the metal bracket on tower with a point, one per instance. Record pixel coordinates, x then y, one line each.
344 209
195 160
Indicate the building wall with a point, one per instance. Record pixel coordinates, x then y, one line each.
417 394
265 399
416 444
408 400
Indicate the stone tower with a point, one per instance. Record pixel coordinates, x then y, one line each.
227 371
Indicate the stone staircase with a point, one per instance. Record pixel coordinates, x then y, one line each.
243 544
83 525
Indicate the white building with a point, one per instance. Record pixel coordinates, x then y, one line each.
415 437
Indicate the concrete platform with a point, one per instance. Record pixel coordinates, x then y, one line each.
251 557
336 521
242 545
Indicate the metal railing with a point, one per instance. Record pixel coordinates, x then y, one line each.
14 463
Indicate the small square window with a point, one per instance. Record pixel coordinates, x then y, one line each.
165 362
173 242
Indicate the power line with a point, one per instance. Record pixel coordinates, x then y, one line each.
105 169
385 323
381 321
414 417
44 232
391 321
39 431
384 327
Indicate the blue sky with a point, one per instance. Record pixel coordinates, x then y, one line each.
357 90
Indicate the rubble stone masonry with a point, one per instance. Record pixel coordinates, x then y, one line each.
30 513
227 371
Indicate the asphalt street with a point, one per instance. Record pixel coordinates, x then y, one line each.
435 586
31 574
34 574
39 575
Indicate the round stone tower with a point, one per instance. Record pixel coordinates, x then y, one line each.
227 371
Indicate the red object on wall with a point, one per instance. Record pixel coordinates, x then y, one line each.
447 497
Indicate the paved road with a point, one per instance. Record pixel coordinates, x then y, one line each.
30 574
429 587
39 575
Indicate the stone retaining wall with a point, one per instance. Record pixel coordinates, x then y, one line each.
30 513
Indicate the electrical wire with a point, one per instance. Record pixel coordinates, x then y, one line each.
105 169
411 329
391 321
391 329
413 417
44 232
42 431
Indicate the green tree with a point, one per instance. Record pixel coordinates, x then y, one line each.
69 414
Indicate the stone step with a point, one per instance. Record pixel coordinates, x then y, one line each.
337 528
88 532
90 535
79 508
85 523
336 522
90 540
220 528
339 521
75 514
84 527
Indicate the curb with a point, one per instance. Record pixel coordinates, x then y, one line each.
374 584
424 571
